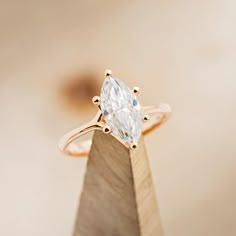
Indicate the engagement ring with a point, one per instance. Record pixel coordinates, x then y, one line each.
120 115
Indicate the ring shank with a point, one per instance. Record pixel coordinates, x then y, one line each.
158 114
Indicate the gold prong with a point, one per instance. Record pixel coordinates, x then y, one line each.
106 129
108 72
146 117
96 100
136 90
133 145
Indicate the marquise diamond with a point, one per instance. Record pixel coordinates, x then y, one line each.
121 110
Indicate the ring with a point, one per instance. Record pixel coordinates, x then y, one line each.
119 114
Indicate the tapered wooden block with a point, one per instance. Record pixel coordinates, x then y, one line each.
118 198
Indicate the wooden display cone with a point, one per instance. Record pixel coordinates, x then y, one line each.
118 197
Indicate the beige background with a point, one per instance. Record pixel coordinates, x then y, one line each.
181 52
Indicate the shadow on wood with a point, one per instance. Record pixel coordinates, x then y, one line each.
118 197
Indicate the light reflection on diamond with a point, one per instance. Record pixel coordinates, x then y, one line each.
121 110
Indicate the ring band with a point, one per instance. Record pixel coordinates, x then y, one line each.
154 116
158 115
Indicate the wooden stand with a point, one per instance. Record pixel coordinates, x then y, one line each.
118 198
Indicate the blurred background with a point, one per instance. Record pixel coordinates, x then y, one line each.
52 58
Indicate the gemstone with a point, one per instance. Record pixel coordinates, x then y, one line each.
121 110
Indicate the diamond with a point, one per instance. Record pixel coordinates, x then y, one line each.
121 110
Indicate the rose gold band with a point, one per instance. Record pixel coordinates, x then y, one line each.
157 114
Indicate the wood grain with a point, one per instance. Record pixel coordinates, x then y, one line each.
118 197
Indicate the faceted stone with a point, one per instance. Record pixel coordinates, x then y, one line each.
121 110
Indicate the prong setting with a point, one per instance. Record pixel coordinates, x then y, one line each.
146 118
136 90
96 100
106 129
108 72
133 146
